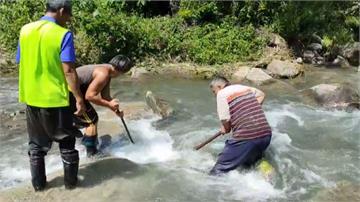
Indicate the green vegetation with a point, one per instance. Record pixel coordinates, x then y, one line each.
211 32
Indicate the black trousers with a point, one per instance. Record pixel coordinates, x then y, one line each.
46 125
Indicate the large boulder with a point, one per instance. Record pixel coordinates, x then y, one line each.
284 69
352 53
240 74
277 41
259 77
335 96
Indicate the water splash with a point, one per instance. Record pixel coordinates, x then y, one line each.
150 146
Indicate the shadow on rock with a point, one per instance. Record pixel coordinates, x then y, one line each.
100 171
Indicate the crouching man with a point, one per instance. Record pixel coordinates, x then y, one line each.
95 86
239 110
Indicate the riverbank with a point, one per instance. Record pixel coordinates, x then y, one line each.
313 150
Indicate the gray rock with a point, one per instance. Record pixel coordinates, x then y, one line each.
258 77
352 53
335 96
316 38
315 47
340 62
299 60
240 74
308 56
284 69
277 41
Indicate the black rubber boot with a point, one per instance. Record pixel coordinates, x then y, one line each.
38 176
71 167
90 142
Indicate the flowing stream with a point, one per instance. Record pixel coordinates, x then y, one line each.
311 149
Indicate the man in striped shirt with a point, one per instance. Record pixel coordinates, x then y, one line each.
239 110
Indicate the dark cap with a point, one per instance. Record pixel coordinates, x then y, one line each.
55 5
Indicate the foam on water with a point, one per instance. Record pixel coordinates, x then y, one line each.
151 145
19 172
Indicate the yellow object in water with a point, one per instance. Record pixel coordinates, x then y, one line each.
265 168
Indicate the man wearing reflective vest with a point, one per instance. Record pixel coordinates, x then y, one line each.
46 59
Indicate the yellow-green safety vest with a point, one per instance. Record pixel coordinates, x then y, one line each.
42 81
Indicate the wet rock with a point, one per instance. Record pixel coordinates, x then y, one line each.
158 105
299 60
308 56
315 47
258 77
319 60
352 53
188 71
240 73
339 62
284 69
335 96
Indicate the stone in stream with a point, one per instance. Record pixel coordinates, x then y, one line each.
158 105
284 69
308 56
315 47
335 96
240 74
339 62
352 53
259 77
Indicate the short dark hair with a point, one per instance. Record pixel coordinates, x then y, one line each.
121 63
55 5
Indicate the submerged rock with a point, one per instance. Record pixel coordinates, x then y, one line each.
259 77
158 105
335 96
284 69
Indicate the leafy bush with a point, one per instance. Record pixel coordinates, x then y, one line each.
203 32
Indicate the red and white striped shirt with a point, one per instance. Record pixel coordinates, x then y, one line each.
238 104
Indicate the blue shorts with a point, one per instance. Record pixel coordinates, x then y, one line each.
240 153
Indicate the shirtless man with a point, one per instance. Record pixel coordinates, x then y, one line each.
95 86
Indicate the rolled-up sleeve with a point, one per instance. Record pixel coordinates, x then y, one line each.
67 53
222 107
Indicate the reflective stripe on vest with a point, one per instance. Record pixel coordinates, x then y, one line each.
42 81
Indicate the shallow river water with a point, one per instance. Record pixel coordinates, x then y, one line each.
312 149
